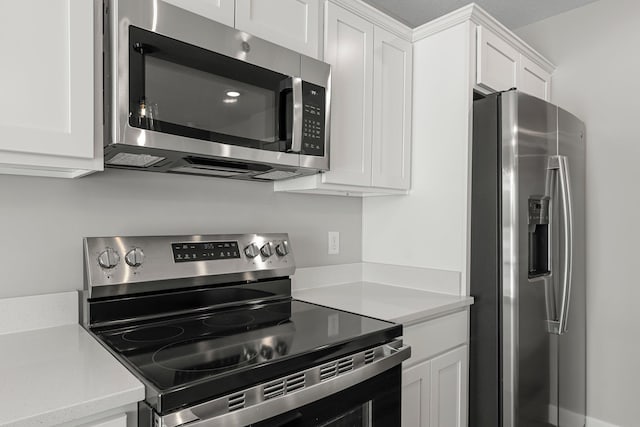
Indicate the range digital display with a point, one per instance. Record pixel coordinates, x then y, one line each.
204 251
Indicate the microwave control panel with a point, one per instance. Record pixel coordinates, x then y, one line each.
313 119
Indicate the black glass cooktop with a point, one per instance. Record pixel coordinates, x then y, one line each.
195 358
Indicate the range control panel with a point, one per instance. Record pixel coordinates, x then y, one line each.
204 251
113 264
313 119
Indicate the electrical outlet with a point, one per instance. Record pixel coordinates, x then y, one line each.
334 243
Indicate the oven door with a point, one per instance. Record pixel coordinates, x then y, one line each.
363 389
373 403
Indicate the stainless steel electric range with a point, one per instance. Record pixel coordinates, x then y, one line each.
208 324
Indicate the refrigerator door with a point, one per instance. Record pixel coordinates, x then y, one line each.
529 267
571 344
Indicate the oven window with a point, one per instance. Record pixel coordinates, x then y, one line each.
185 90
360 416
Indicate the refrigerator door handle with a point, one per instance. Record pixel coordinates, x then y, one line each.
561 164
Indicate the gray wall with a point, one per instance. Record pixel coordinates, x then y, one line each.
43 220
596 51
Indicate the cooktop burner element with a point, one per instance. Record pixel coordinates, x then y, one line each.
153 333
199 355
236 320
197 331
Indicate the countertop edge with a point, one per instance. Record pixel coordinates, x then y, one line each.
458 303
79 411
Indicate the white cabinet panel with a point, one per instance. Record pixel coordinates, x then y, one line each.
348 48
46 78
294 24
497 62
533 80
217 10
436 336
391 145
449 388
415 395
50 117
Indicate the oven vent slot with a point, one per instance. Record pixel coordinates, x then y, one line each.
345 365
369 356
336 368
284 386
236 401
274 389
328 371
295 382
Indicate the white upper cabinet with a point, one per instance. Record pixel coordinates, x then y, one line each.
371 72
47 109
217 10
349 48
391 147
497 62
533 79
501 65
294 24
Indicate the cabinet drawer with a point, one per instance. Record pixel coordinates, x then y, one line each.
436 336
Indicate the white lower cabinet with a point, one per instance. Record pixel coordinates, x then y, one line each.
416 387
449 388
435 378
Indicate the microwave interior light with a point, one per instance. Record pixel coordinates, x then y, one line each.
233 94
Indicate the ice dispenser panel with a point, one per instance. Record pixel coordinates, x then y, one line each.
538 236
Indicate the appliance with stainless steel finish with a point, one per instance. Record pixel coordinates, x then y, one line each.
528 322
185 94
208 324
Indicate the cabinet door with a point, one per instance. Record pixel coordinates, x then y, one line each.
449 388
497 62
415 395
532 79
294 24
391 146
349 50
217 10
46 78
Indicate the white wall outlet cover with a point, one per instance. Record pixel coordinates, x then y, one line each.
334 243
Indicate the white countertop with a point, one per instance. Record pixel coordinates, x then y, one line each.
56 375
387 302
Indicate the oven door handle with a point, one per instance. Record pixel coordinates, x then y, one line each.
320 381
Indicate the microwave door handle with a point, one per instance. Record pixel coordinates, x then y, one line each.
296 134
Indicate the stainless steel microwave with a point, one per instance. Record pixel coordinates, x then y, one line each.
186 94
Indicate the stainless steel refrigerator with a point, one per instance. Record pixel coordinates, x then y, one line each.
528 325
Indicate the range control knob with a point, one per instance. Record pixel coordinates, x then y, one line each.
267 250
252 250
282 248
135 257
108 258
